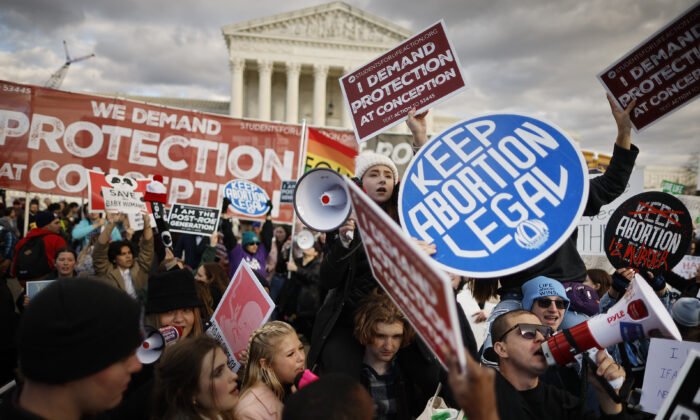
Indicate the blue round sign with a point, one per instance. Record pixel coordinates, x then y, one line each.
247 198
496 194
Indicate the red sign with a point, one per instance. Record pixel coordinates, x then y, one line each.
98 181
419 73
406 273
49 138
662 74
244 307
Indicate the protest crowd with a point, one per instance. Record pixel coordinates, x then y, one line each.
107 314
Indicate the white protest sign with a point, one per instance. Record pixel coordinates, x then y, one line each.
683 400
591 229
687 267
421 291
244 307
123 201
664 360
136 221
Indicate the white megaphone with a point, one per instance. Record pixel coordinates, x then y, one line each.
638 314
321 200
305 239
155 342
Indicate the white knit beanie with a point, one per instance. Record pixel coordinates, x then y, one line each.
367 159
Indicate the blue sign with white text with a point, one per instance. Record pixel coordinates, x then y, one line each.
496 194
247 198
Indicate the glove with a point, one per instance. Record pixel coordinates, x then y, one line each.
224 207
269 205
619 283
656 282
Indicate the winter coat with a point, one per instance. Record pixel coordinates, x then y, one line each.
110 274
259 403
52 243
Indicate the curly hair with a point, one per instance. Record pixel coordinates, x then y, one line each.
262 345
115 248
375 308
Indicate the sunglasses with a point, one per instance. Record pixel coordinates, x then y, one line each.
529 331
546 303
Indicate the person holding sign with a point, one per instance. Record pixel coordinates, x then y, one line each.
345 271
115 264
275 358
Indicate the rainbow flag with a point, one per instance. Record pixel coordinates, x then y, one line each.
324 152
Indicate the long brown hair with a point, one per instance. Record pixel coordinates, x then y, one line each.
197 327
177 379
219 277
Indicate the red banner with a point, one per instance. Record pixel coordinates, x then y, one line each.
48 138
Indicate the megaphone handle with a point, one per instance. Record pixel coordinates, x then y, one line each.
601 380
350 235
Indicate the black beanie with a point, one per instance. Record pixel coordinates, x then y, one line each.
171 290
74 328
43 218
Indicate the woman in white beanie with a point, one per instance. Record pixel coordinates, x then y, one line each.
345 270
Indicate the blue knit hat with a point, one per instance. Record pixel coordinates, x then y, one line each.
540 287
248 238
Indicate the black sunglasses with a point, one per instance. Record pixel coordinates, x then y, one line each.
545 303
529 331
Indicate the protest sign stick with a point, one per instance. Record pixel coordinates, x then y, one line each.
300 171
26 213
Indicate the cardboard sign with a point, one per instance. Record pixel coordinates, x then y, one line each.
496 194
195 220
422 292
287 191
687 267
661 73
650 231
419 73
591 229
683 400
664 360
121 201
247 198
34 287
244 307
98 182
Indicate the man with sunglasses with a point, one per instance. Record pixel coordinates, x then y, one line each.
518 337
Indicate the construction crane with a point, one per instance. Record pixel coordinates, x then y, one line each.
56 79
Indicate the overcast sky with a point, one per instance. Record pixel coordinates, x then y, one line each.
536 57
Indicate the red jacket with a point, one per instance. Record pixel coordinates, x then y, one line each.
52 243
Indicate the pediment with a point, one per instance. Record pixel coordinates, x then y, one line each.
334 22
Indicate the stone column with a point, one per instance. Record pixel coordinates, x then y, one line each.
264 88
346 117
320 75
292 108
237 65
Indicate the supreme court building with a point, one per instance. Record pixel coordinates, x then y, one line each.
286 67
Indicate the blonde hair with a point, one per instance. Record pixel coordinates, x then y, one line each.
262 345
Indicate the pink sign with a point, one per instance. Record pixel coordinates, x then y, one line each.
244 307
406 273
419 73
661 73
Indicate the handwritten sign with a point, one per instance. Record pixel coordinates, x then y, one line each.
688 266
196 220
661 73
419 73
244 307
591 229
663 363
422 292
683 400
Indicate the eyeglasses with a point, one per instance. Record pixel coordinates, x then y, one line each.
529 331
546 303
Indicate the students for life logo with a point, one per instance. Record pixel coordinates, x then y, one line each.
496 194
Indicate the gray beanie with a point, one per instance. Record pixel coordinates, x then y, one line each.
686 311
